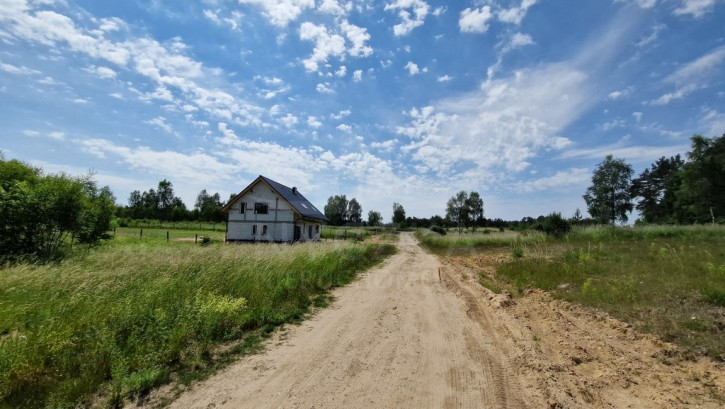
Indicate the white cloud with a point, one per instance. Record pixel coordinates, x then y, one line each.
57 135
281 12
475 20
644 4
326 44
165 65
160 122
713 123
412 68
357 76
341 114
615 95
103 72
12 69
504 124
386 146
344 128
695 8
692 76
654 35
515 15
313 122
520 40
341 72
195 171
234 20
702 67
334 7
31 133
412 14
637 116
324 89
358 36
289 120
562 179
445 78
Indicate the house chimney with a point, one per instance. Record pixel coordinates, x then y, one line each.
294 191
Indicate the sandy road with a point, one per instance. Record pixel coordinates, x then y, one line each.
415 333
396 338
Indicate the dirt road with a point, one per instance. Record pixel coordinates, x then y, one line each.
414 333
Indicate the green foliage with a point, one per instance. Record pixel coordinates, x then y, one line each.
464 210
121 319
398 214
656 188
438 229
608 198
701 193
40 213
554 225
517 251
374 218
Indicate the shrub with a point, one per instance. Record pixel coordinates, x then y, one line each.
438 229
554 225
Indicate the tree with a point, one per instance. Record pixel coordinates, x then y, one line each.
609 197
165 194
465 210
701 194
656 188
475 209
398 214
336 210
354 211
457 210
374 218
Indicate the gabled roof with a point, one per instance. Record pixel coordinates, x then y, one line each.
291 195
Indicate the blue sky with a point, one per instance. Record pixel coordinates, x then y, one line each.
388 101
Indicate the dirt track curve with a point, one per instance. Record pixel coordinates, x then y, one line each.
414 333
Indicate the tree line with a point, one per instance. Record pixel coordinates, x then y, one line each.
670 191
162 204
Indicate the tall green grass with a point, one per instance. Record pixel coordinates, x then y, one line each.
122 319
454 243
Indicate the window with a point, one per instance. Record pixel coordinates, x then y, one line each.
264 230
317 228
261 208
310 230
254 230
243 209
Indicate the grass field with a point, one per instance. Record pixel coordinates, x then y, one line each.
669 281
111 323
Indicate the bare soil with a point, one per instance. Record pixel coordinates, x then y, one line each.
420 333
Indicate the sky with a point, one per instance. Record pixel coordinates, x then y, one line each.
406 101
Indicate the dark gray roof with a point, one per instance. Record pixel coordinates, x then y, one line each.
295 198
289 194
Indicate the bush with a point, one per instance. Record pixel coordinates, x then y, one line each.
554 225
438 229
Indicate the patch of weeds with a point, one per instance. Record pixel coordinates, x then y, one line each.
321 301
695 325
715 297
517 252
489 283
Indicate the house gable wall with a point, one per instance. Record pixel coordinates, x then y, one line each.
280 219
249 225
